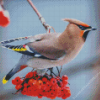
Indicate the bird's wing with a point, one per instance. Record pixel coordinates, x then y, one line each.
45 48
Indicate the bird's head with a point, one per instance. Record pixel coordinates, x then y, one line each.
82 29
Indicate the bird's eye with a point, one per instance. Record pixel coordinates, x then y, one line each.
81 27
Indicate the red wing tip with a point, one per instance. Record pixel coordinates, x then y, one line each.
24 46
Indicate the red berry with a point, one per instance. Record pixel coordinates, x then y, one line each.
67 88
64 96
40 96
29 75
13 82
68 94
18 87
40 93
35 92
35 82
48 85
53 81
34 73
32 82
65 82
52 97
30 90
25 85
59 92
39 84
52 94
44 79
46 94
21 81
24 91
55 86
18 80
43 87
64 77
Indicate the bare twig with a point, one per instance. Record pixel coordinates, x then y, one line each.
34 8
2 4
32 70
46 26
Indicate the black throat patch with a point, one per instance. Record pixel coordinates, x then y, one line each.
85 34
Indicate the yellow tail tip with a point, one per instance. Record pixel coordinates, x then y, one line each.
4 81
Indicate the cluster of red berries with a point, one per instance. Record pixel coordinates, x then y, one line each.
4 17
43 86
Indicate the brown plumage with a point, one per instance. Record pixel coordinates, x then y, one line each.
51 50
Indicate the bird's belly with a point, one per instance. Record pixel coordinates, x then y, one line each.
41 63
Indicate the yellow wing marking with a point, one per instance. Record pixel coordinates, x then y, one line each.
21 49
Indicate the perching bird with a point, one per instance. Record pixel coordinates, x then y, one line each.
50 50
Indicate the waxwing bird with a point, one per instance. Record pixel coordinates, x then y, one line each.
54 49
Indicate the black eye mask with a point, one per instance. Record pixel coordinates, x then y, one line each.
83 27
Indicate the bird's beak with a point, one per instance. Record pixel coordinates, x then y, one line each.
93 28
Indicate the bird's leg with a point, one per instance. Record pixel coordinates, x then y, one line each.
51 71
60 71
47 70
54 74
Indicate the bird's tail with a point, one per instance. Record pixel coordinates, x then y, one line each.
12 72
20 65
13 40
7 77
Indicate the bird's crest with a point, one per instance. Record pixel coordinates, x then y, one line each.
77 22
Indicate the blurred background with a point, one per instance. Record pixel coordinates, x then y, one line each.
83 71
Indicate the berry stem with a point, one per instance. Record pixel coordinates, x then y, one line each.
68 83
32 70
16 92
22 77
